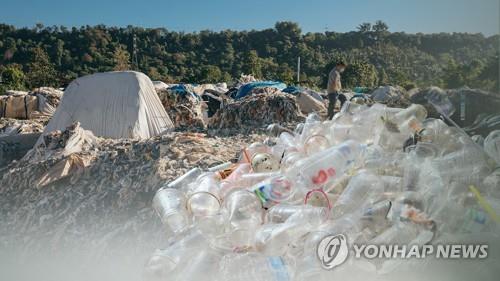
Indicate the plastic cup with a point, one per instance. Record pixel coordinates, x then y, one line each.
274 190
210 226
318 198
170 205
204 197
244 209
316 143
423 150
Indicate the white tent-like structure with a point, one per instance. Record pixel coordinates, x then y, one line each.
121 104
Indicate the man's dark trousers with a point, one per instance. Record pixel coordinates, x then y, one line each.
332 98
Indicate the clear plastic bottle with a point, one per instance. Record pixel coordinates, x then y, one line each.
282 212
324 167
364 188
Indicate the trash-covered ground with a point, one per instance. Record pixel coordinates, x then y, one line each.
86 201
9 126
92 207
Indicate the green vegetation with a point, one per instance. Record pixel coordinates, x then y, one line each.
53 56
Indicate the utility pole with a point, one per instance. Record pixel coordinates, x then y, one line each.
134 53
298 70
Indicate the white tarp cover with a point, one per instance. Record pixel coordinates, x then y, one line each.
121 104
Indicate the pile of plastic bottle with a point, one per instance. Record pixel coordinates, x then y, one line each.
376 174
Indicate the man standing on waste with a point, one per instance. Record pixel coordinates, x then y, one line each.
334 87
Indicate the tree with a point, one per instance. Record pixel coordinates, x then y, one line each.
252 64
178 56
121 58
41 72
286 74
364 27
383 78
490 74
211 74
11 78
398 77
359 74
289 29
380 26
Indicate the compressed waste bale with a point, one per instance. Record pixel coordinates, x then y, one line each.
19 105
48 100
184 108
258 109
120 104
35 104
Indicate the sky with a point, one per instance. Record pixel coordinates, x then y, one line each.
411 16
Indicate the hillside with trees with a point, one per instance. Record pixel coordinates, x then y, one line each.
54 55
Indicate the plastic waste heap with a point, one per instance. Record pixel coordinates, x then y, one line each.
376 174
